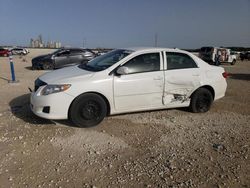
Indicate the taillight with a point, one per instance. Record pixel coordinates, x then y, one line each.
225 74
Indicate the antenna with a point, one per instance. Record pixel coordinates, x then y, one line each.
84 42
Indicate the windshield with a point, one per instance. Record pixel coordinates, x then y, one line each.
105 61
57 51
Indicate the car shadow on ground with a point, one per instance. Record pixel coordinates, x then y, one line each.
240 76
29 68
20 108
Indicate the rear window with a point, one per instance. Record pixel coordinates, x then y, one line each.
206 49
179 61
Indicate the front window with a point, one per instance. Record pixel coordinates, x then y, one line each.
55 52
144 63
105 61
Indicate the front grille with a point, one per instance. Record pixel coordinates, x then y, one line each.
39 83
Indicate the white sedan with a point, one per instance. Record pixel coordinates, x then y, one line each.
128 80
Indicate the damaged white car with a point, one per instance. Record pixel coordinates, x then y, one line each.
128 80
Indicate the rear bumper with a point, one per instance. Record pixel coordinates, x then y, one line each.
36 65
220 89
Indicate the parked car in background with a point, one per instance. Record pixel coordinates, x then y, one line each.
62 58
208 54
4 52
244 55
128 80
19 51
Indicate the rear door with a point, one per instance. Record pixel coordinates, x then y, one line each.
182 76
142 87
62 58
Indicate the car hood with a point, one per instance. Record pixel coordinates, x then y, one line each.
65 75
42 57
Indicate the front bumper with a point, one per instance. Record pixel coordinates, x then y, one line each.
57 103
36 65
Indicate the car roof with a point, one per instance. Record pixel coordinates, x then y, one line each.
70 48
150 49
137 49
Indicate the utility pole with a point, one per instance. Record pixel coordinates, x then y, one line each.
156 39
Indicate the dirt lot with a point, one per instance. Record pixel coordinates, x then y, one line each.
170 148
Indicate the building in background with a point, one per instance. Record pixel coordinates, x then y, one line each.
39 43
51 44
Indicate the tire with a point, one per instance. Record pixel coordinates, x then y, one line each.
201 100
233 62
48 66
88 110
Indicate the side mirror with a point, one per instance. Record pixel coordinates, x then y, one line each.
122 70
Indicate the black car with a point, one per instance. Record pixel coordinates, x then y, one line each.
245 55
62 58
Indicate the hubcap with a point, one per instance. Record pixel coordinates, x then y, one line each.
91 111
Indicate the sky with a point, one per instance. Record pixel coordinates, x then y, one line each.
127 23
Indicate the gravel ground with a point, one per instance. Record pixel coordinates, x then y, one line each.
168 148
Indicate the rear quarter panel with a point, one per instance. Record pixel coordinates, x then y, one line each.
215 79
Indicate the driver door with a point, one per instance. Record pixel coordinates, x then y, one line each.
141 88
62 58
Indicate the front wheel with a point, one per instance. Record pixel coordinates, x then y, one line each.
201 101
48 66
88 110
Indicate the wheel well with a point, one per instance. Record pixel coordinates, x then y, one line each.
105 99
209 88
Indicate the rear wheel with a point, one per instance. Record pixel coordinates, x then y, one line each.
201 101
233 62
88 110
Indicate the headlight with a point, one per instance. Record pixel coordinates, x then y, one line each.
49 89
